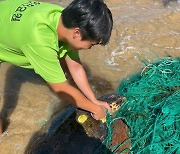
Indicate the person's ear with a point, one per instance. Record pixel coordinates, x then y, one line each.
76 33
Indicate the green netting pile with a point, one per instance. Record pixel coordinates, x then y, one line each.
151 110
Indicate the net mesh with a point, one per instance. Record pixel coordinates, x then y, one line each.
151 110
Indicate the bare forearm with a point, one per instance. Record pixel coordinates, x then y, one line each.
74 96
80 78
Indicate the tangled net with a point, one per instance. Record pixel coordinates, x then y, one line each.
151 110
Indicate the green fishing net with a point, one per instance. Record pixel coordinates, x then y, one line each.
151 110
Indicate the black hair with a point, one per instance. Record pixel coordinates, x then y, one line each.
92 17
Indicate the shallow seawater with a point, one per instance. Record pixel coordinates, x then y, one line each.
144 31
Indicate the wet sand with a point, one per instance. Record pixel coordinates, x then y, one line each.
144 31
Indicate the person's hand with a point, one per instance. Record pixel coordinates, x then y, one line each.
100 113
105 104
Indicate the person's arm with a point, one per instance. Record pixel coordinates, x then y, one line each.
67 92
79 76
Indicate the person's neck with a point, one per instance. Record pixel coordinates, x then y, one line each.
61 31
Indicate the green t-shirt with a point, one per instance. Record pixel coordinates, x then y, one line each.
28 38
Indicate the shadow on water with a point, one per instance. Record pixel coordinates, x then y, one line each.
15 77
166 2
66 142
65 136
